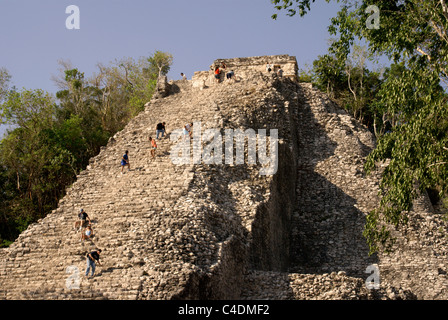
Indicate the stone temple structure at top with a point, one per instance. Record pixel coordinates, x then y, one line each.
200 230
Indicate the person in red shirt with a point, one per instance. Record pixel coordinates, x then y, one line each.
217 72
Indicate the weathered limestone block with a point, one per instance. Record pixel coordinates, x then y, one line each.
163 88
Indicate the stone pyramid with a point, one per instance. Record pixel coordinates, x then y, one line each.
200 230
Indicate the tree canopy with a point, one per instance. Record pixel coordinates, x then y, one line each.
160 61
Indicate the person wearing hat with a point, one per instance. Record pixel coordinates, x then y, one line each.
83 217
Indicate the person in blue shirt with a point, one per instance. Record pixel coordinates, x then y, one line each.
87 233
125 161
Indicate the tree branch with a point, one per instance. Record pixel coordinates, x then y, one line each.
349 84
423 53
444 8
126 74
436 164
438 30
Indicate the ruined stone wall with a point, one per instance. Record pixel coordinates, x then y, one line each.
246 69
258 208
272 226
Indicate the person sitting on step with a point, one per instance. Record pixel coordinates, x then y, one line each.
82 220
87 234
280 73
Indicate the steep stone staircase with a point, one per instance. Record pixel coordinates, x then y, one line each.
126 210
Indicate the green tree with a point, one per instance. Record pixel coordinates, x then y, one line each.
80 99
293 7
351 85
329 75
306 74
160 61
28 161
355 69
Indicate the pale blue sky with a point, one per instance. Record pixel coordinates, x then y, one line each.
33 35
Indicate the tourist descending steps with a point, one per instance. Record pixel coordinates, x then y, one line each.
91 257
82 220
160 128
187 130
87 234
230 75
153 147
125 161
